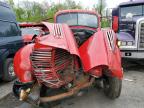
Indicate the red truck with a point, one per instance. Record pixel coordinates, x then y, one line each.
73 55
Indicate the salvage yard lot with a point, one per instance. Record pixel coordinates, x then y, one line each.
132 95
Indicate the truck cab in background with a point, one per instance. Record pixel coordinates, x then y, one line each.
128 23
10 41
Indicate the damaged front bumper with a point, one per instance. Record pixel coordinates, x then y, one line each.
28 92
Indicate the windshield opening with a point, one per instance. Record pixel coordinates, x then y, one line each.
78 19
127 11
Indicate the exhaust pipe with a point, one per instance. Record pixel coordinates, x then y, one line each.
34 98
72 92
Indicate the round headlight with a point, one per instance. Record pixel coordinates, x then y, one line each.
119 43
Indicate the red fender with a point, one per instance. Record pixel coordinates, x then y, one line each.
22 64
96 52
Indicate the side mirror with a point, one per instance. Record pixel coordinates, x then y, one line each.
115 23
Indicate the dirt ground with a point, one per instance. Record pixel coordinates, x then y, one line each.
132 95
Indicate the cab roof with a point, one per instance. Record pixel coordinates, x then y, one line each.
6 13
4 4
76 11
136 2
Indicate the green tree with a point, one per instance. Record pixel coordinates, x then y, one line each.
27 11
68 4
20 12
11 3
100 6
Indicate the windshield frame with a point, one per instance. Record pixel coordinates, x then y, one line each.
97 26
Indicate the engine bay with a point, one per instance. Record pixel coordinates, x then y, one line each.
81 35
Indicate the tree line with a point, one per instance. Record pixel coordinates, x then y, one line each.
28 11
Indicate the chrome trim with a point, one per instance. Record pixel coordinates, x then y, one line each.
140 22
135 55
42 70
38 52
41 57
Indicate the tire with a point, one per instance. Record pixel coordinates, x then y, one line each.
112 87
8 74
98 84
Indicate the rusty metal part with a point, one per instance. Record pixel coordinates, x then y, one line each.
24 94
31 96
72 92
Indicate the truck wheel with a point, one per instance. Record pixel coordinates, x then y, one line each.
9 73
112 87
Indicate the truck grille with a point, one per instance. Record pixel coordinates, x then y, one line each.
47 63
141 45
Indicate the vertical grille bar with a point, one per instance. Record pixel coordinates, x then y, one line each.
141 45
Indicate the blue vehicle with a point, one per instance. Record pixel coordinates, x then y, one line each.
128 23
10 41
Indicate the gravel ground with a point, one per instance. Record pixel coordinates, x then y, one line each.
132 95
10 102
5 89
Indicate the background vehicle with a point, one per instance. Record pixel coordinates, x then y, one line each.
68 59
29 30
128 23
10 41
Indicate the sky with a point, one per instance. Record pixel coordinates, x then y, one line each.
85 3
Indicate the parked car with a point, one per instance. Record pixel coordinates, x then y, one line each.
128 23
29 30
10 41
74 54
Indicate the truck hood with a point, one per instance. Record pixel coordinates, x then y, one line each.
60 36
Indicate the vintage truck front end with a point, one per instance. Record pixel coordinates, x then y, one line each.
70 55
